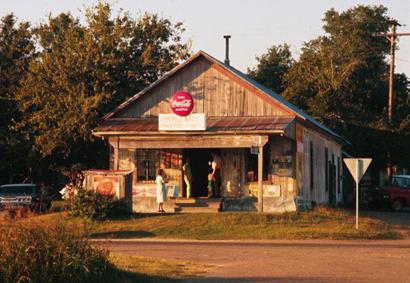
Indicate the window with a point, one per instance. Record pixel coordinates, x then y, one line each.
326 169
338 175
147 163
312 184
252 162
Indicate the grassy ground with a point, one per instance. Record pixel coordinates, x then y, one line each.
322 223
143 269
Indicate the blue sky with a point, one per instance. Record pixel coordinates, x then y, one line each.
254 24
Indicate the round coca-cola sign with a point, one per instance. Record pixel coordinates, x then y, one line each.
182 103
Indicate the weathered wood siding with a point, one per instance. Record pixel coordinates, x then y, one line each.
214 90
322 184
233 172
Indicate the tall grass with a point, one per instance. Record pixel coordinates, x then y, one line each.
48 252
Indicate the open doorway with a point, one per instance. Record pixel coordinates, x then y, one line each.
200 168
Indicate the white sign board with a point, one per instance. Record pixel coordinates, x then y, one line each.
357 166
172 122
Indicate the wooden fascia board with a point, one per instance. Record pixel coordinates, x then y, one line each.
171 133
221 141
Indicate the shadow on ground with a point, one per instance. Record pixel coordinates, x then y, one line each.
263 279
140 216
121 234
128 277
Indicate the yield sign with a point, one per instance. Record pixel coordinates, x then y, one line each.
357 167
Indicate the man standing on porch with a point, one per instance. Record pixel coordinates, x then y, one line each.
216 174
187 177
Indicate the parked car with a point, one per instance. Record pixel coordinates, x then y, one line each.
395 195
35 197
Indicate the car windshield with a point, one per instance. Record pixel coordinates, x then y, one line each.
401 182
17 190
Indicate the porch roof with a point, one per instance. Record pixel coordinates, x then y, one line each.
130 126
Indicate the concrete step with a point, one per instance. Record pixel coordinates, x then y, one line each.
196 210
197 205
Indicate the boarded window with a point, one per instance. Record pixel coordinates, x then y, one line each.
312 184
338 175
326 169
252 162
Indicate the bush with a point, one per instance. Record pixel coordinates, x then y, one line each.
49 252
90 204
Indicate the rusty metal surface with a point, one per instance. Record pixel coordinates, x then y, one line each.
214 124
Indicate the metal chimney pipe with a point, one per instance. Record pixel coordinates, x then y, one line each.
227 37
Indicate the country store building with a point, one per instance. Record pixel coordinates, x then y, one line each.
273 156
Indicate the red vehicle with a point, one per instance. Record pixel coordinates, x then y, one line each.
395 195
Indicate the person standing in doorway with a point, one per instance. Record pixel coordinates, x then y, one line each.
216 174
161 190
187 177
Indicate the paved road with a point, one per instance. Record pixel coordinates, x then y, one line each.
284 261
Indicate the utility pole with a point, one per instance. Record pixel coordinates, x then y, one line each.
392 37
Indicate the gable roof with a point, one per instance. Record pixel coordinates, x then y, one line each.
268 92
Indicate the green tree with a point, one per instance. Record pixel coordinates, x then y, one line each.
341 76
341 80
272 67
16 49
83 71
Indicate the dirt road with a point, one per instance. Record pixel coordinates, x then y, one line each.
284 261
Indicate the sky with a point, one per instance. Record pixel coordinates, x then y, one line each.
254 25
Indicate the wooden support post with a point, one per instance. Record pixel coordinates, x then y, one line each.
116 155
260 177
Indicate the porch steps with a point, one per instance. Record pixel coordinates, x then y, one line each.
198 205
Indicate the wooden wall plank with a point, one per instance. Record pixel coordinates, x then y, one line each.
216 92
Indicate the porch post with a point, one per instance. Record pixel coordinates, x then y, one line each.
116 154
260 175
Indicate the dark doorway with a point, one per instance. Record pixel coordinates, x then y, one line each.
200 168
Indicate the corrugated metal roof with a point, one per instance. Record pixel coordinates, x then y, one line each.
214 124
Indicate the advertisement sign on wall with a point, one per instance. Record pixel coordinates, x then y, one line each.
182 103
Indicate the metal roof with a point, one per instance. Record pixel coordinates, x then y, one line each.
214 124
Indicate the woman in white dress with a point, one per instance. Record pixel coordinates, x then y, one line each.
161 191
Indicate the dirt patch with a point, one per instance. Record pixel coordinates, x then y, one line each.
399 220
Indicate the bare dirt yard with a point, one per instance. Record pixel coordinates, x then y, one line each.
282 260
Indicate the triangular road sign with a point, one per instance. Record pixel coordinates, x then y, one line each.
357 166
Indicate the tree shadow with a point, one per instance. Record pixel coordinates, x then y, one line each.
121 234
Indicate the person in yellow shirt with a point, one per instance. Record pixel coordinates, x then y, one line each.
187 177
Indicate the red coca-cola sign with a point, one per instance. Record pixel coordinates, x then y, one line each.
182 103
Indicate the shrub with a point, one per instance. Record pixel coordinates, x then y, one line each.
90 204
49 252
